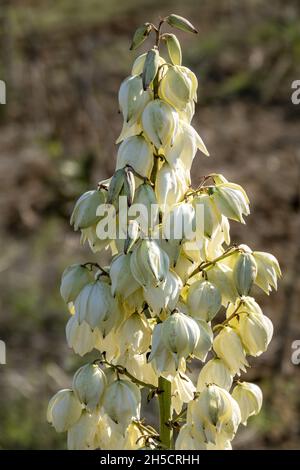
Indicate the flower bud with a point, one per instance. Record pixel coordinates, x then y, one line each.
136 152
204 300
122 281
116 186
64 410
133 98
84 213
73 280
256 332
231 200
228 347
81 337
218 412
268 270
174 49
122 402
164 296
81 436
160 123
129 185
176 87
249 398
214 372
149 264
180 335
150 67
244 273
139 62
89 383
149 215
140 35
171 185
181 23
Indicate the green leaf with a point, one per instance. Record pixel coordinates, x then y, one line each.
150 67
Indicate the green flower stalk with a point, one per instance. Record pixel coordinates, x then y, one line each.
176 289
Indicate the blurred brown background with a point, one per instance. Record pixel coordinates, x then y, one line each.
63 63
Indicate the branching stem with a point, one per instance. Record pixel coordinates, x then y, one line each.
204 266
123 371
231 317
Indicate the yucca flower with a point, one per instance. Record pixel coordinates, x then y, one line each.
173 289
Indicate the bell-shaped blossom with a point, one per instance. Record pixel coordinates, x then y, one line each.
81 436
73 280
89 383
133 98
64 410
232 201
138 153
228 347
80 336
122 401
85 211
215 372
164 296
249 398
216 412
149 264
122 281
204 300
268 271
96 306
176 87
171 185
160 123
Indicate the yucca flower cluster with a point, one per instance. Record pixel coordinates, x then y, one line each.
164 300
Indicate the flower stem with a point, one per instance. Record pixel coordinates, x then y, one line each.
165 413
204 266
234 314
122 370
